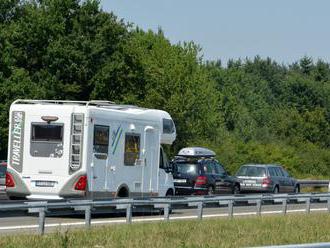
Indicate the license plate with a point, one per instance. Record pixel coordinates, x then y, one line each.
45 183
180 180
250 182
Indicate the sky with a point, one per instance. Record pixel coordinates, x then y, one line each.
284 30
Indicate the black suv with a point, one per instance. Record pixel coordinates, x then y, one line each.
195 171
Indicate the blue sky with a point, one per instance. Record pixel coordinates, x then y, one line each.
284 30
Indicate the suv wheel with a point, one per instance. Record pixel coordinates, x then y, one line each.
210 190
236 189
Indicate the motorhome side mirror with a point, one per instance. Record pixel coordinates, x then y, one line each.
169 168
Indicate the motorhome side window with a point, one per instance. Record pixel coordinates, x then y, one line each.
101 141
132 148
168 126
46 140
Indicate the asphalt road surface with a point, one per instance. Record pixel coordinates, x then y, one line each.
13 221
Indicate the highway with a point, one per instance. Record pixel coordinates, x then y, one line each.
13 222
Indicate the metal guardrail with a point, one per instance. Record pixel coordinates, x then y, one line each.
314 183
166 204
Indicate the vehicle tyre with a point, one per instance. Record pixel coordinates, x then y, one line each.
296 189
236 189
210 190
276 190
169 193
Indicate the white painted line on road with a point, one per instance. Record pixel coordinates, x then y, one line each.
100 222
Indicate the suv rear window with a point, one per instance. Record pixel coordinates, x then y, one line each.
184 168
251 171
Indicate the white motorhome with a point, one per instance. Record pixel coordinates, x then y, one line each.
94 149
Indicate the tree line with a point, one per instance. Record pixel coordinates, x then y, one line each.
249 111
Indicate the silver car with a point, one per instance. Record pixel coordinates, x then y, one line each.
270 178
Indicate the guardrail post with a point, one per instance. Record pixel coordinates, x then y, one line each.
284 206
167 212
88 216
230 208
87 209
166 207
41 210
42 218
308 205
328 204
129 213
200 210
258 207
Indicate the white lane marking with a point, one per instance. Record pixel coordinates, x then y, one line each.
100 222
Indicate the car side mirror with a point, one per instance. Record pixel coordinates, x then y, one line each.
168 169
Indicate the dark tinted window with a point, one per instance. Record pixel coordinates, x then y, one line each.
101 141
279 171
219 169
272 172
132 149
251 171
185 168
285 173
168 126
47 132
209 168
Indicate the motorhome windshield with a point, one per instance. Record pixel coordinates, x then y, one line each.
47 132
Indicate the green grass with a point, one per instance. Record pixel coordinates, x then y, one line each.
222 232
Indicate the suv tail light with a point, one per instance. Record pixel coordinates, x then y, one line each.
266 181
9 180
201 180
81 184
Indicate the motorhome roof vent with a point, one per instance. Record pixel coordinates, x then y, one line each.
196 152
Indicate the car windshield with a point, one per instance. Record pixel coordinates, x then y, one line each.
251 171
184 168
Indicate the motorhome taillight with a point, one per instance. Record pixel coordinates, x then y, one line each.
266 181
201 180
9 180
81 183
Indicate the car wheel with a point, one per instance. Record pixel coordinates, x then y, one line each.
275 191
210 190
236 189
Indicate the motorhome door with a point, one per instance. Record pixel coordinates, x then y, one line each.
151 160
100 158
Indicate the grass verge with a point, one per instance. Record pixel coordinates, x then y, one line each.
237 232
